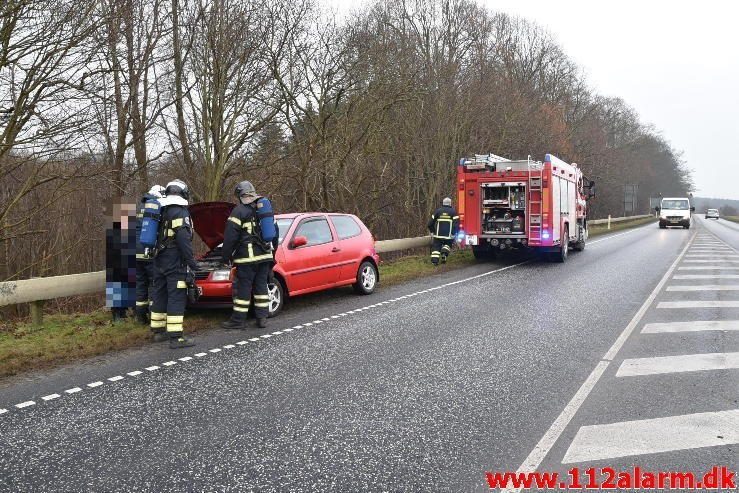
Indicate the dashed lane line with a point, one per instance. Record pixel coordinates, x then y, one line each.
50 397
25 404
325 319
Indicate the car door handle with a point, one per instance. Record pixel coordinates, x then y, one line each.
335 249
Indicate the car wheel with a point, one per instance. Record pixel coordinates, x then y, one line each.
366 278
276 297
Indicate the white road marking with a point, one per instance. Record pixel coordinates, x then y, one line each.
115 378
51 397
705 287
326 319
95 384
316 322
706 276
678 364
698 304
298 327
229 346
200 355
151 368
697 326
25 404
266 336
276 333
254 339
712 255
3 411
134 373
169 363
651 436
241 343
214 350
335 316
709 267
186 358
287 330
717 260
308 324
73 390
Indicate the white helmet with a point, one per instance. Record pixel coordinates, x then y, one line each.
178 187
447 202
157 191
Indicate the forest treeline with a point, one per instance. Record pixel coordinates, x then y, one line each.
366 114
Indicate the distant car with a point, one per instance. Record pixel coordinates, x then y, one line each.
316 251
712 214
675 211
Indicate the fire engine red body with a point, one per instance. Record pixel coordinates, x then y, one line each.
522 204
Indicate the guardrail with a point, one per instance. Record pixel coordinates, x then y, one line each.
36 291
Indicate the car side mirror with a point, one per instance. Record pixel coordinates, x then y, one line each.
299 241
692 209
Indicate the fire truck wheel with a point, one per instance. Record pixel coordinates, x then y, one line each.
580 245
561 255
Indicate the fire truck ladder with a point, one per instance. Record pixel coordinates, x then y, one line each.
536 170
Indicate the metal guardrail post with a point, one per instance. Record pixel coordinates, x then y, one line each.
609 221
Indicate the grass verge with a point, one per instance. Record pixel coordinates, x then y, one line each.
67 338
602 229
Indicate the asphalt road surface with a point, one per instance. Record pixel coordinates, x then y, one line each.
626 355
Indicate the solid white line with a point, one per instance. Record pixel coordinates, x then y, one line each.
25 404
115 378
73 390
697 326
707 276
678 364
698 304
169 363
94 384
186 358
650 436
705 287
151 368
134 373
51 397
709 267
541 450
200 355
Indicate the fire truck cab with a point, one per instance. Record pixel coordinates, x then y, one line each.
505 204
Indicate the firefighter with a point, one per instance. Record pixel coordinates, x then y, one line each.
171 274
443 225
144 267
250 246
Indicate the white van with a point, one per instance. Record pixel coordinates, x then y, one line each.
674 211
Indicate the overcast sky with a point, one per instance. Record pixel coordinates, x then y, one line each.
676 62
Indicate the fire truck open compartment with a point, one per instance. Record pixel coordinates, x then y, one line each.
503 208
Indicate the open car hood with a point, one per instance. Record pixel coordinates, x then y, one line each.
209 219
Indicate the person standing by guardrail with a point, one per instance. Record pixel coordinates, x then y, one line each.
144 267
173 257
120 244
248 240
443 225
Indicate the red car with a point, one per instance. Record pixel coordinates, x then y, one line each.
317 251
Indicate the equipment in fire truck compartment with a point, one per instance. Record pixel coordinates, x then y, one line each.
504 207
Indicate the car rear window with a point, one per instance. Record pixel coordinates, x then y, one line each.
346 226
316 231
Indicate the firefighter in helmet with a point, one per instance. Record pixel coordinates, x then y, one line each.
144 266
172 265
443 225
247 243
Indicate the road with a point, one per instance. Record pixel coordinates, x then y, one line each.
420 387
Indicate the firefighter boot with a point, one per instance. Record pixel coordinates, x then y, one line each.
180 342
234 324
142 315
159 336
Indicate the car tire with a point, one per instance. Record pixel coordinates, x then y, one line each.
367 277
276 292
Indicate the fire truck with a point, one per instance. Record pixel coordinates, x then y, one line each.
505 204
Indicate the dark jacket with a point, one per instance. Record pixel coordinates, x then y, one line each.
175 237
140 255
444 223
241 240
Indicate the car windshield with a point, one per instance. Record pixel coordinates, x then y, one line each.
676 204
284 225
712 210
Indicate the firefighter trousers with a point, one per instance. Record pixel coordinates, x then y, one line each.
169 298
144 280
251 282
440 250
